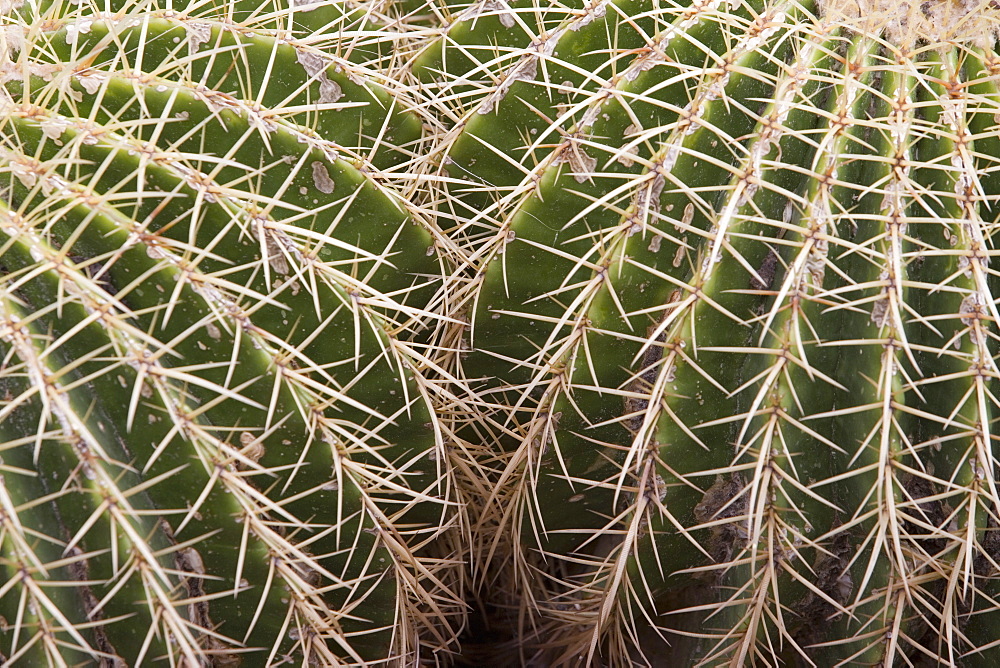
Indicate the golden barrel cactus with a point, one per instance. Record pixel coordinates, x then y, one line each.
604 333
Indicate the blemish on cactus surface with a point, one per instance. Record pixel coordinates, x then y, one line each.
498 8
198 33
725 499
321 178
329 90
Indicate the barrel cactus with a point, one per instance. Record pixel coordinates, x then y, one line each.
606 332
731 326
218 440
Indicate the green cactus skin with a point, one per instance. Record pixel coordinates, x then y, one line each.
217 442
738 306
660 333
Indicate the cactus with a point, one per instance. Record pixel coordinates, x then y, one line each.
730 271
605 332
218 442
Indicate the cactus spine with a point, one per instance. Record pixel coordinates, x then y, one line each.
646 331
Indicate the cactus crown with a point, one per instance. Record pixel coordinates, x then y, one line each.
907 23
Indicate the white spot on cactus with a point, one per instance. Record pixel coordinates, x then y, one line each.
673 151
11 40
497 7
53 128
329 90
789 211
198 33
971 311
76 28
654 243
7 6
880 308
647 197
213 331
91 81
678 257
761 29
192 561
321 178
626 157
272 247
966 180
671 375
24 174
590 117
251 447
312 63
582 164
746 192
525 70
642 64
596 11
717 87
892 199
688 215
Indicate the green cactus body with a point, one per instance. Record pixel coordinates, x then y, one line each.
213 421
749 369
641 332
